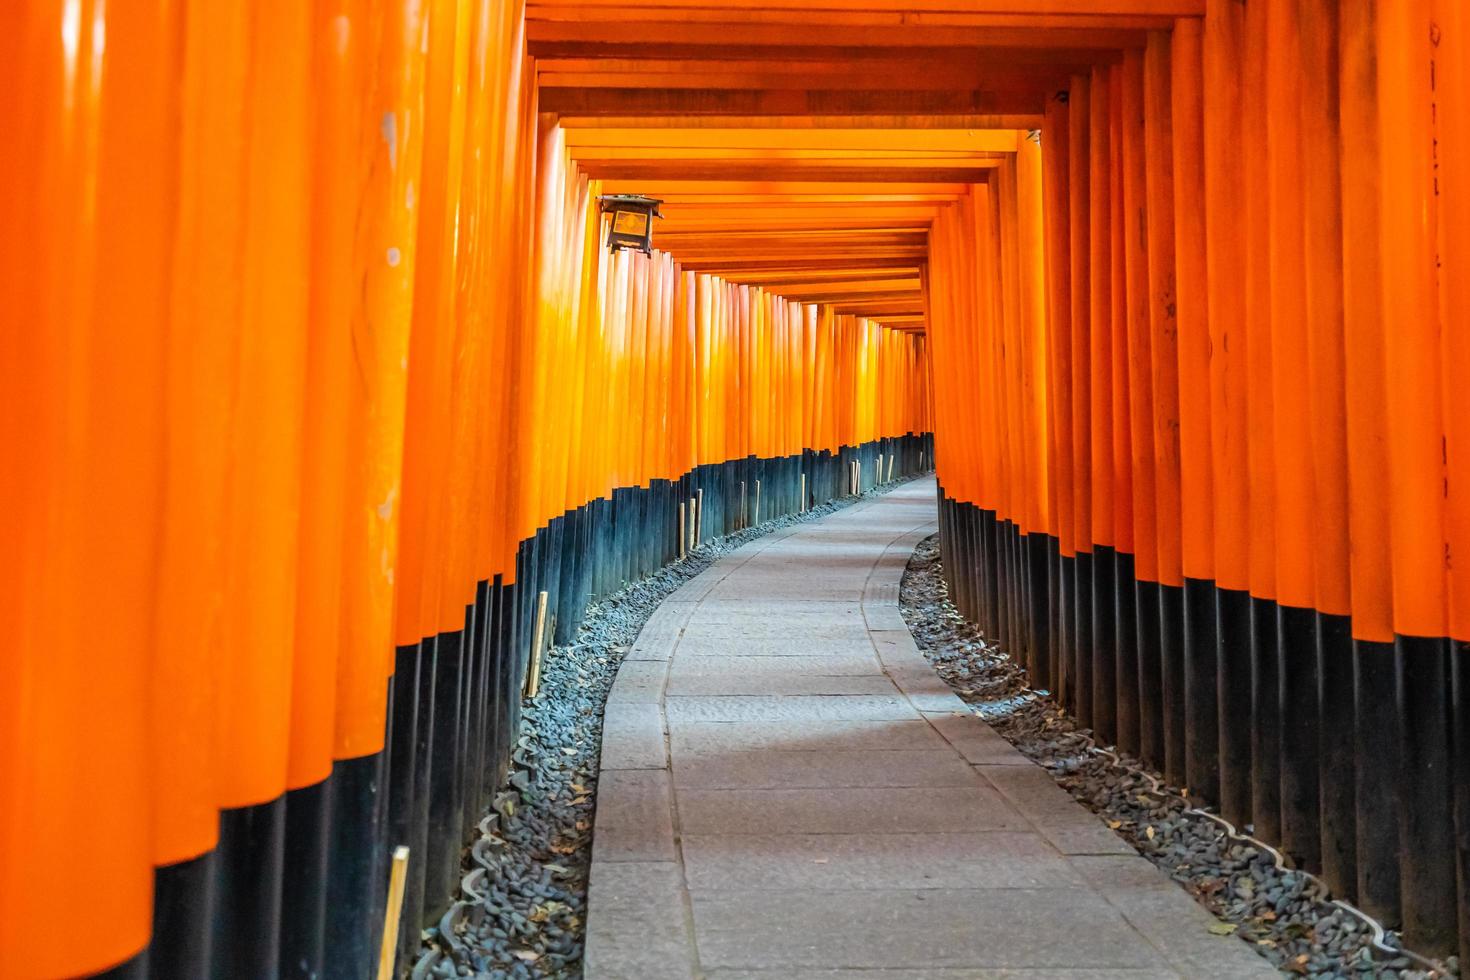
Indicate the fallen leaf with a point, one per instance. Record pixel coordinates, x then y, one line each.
1114 824
1223 928
526 955
1149 833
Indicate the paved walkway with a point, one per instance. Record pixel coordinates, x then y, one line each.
789 791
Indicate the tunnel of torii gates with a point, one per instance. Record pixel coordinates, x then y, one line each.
316 376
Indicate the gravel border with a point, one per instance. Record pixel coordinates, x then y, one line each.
522 907
1286 914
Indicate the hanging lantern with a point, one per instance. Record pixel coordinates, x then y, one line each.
632 221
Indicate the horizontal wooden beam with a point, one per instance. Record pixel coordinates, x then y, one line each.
909 140
803 263
825 122
595 100
1040 11
828 157
620 32
615 185
915 76
645 171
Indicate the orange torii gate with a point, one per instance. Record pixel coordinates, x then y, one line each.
317 375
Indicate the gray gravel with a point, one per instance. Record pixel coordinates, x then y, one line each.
522 904
1289 918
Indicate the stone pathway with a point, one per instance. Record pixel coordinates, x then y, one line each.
789 791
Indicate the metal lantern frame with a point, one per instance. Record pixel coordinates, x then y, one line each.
632 221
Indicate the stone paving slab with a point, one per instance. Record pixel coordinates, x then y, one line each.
633 736
639 681
1056 816
779 616
634 817
718 738
976 741
845 810
796 707
733 669
758 644
771 683
1053 927
943 973
790 792
842 768
990 859
639 928
1150 903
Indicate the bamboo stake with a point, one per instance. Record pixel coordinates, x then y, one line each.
533 676
757 502
398 876
683 537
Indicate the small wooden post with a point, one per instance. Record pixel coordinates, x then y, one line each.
801 504
683 537
533 676
890 466
397 877
757 501
691 524
879 478
743 512
699 515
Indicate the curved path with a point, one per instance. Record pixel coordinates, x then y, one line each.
789 791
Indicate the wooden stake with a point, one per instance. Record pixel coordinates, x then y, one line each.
691 524
699 515
683 537
801 504
890 467
743 511
757 502
533 676
397 877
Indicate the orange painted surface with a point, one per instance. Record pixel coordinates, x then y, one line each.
1412 320
1452 71
1196 456
1322 289
1363 336
1164 367
310 324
